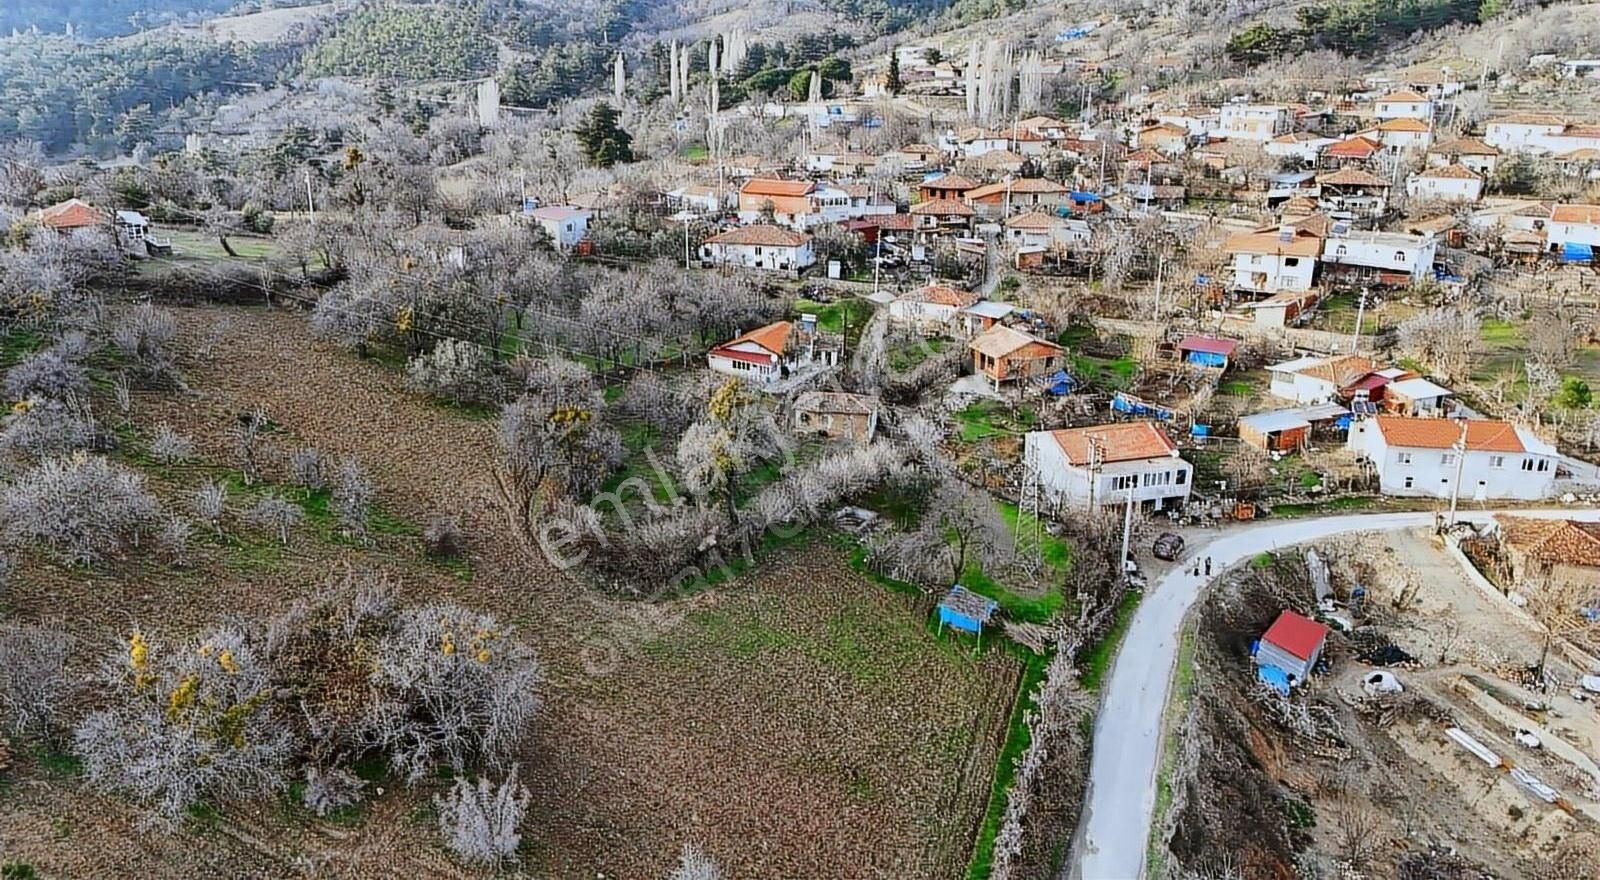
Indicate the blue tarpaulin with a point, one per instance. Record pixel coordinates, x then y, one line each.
1577 252
1200 430
1060 383
1085 198
1122 403
1275 678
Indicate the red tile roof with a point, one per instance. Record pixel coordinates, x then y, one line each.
72 214
1553 540
943 207
770 337
1352 148
1483 435
1121 441
1299 636
1575 214
1209 345
766 186
765 235
1351 177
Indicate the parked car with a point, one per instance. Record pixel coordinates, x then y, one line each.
1169 546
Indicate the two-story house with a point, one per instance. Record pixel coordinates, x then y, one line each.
1272 260
1105 464
1470 459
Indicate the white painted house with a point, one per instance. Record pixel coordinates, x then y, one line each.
1317 379
566 225
1573 224
763 246
1102 464
1051 232
1451 183
1274 260
1472 459
1386 257
1404 104
1254 122
759 356
1541 133
932 307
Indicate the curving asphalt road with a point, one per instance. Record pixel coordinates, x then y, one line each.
1114 833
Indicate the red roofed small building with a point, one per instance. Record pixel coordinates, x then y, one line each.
1292 645
1005 354
73 215
1355 150
1102 464
763 246
932 306
758 356
942 215
1207 351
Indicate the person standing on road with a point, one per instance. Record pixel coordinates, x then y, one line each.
1208 566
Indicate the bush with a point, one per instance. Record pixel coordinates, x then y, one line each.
458 371
280 515
144 335
169 447
480 822
210 502
54 372
443 538
352 498
33 678
43 426
82 508
184 723
695 865
327 791
307 469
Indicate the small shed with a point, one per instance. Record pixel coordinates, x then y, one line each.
1207 351
965 610
1282 430
1292 645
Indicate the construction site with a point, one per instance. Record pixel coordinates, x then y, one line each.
1439 734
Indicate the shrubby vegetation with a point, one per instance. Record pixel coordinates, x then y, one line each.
407 42
1353 27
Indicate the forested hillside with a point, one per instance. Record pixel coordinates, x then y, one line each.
409 42
59 91
99 18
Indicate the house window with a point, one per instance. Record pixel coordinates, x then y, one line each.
1404 458
1291 261
1497 461
1544 465
1399 256
1447 458
1182 477
1410 481
758 250
1339 251
1527 464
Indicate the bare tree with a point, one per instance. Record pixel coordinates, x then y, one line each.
694 864
480 823
169 447
1559 606
33 678
81 509
209 503
277 514
352 498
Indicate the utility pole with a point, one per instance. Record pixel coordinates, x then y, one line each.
1460 447
1094 468
1161 262
1361 311
311 203
686 243
1127 533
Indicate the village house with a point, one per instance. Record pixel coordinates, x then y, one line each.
1105 464
945 186
1004 354
1473 459
1287 653
1254 122
1404 104
838 415
1048 231
1303 145
701 199
932 307
1207 351
919 157
1047 127
1450 183
1318 379
130 228
1163 136
1402 134
1547 551
942 215
1270 260
1353 194
1540 133
788 200
1357 150
565 224
1009 197
1415 396
1470 153
762 356
1282 308
1393 259
763 246
1574 231
1287 430
983 314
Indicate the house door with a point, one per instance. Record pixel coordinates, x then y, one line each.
1482 492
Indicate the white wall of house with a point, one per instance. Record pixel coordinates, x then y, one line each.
1306 151
1518 136
1444 189
1578 233
925 314
760 373
1164 482
1254 122
566 232
1403 109
1301 388
1271 273
755 256
1431 473
1386 252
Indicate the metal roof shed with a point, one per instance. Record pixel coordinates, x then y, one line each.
1292 644
965 610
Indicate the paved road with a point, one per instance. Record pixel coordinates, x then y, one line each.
1114 833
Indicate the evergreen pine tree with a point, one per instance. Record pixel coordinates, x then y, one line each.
604 141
